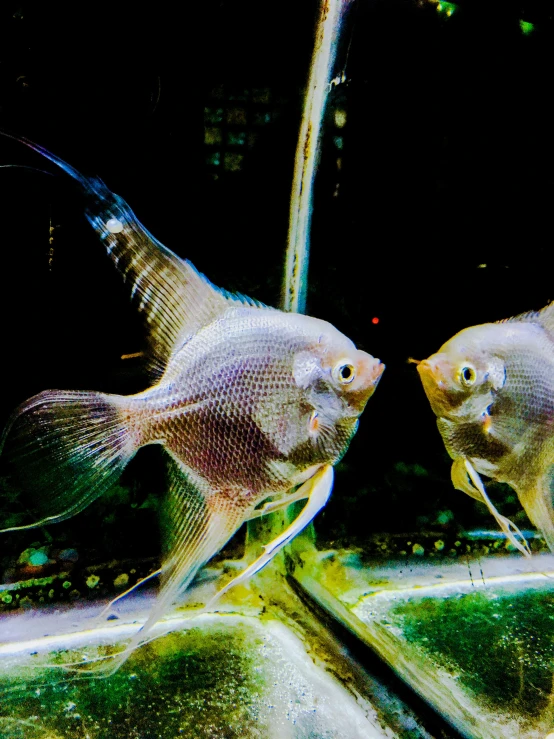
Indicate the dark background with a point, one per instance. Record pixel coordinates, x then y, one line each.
446 165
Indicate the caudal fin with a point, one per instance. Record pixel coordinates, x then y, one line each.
63 449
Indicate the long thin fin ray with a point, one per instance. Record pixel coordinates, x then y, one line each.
317 490
467 479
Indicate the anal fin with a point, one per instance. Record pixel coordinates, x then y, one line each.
195 526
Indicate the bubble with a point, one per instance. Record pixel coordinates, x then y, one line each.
114 226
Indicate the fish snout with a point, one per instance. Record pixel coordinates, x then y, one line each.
433 370
433 373
425 370
369 372
375 370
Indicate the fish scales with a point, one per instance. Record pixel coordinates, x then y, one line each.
236 405
248 402
492 390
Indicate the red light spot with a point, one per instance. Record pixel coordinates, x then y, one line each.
375 320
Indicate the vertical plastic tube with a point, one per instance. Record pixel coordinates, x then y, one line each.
307 154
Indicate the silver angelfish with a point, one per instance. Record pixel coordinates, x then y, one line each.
492 390
248 402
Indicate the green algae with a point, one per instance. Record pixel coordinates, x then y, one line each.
499 645
225 676
199 683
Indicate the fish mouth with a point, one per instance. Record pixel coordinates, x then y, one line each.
434 382
376 372
370 371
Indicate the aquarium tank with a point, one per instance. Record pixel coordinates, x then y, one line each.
383 165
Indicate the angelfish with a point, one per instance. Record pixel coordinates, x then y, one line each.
492 390
248 402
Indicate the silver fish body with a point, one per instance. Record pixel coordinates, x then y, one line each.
237 407
492 390
248 402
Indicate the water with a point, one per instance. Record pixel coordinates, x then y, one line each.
436 156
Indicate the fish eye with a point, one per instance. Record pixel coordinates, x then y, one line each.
468 375
344 373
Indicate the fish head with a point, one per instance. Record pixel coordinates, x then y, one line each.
463 377
492 390
351 374
335 381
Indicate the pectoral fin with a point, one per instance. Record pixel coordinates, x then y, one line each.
317 489
461 481
466 479
278 505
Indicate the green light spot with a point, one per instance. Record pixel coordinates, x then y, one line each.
526 28
213 115
236 138
448 8
7 598
214 160
66 584
212 136
444 517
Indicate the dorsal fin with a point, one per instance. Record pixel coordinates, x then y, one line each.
174 298
544 317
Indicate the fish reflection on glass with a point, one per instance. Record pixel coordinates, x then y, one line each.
492 390
249 403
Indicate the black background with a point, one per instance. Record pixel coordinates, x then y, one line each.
446 165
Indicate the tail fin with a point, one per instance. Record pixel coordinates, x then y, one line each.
64 449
